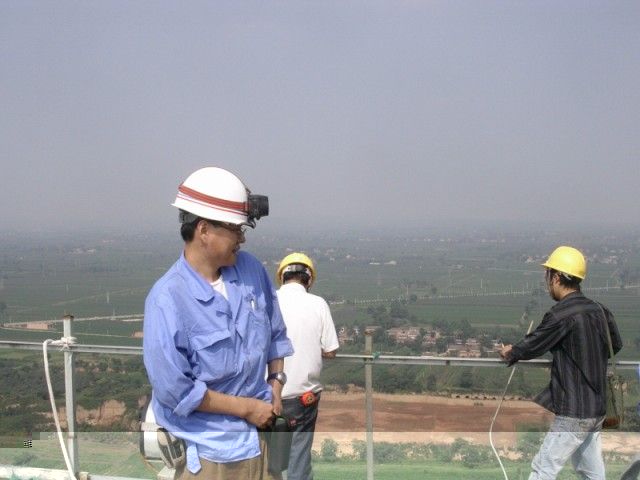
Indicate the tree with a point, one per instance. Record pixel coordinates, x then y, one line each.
431 383
466 378
397 310
472 456
441 344
329 450
464 328
359 448
529 440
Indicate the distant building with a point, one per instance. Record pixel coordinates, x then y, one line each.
470 348
30 325
453 350
403 334
470 353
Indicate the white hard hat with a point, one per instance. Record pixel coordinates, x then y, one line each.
215 194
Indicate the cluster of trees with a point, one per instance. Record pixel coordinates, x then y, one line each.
24 401
24 398
436 380
460 450
396 314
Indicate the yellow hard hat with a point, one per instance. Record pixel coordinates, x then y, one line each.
567 260
295 258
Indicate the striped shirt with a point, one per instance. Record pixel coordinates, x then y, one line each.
573 330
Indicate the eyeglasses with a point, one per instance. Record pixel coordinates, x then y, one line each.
238 229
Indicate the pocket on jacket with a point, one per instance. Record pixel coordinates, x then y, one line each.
215 358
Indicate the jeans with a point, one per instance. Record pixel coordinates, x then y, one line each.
577 439
302 437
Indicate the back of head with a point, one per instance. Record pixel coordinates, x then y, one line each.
298 266
570 263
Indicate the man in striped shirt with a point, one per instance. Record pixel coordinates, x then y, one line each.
574 330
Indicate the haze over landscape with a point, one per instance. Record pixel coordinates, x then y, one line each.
428 155
347 114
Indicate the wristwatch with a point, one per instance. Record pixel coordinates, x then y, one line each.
279 376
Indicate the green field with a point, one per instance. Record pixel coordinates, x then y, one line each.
439 471
487 286
485 280
117 455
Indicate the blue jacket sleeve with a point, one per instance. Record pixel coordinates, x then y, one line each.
165 358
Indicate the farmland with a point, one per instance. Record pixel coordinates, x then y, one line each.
485 283
488 279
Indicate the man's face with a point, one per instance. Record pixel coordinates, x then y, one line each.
551 281
223 242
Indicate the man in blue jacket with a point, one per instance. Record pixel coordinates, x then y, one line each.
212 327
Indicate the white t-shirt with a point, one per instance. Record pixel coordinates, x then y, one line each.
311 330
219 287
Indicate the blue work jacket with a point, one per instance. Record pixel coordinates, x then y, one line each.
195 339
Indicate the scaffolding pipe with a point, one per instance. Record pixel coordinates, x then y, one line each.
70 398
368 383
368 358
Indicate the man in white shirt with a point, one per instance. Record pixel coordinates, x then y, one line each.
313 335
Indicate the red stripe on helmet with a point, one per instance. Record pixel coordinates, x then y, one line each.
214 201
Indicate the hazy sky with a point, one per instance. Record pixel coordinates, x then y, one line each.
377 113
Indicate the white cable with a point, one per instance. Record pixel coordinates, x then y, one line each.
495 415
493 421
65 342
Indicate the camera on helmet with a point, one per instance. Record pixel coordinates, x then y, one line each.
257 206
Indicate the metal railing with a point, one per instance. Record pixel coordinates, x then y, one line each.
368 359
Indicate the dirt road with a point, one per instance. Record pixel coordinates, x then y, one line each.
432 419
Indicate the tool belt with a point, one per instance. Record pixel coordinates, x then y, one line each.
308 399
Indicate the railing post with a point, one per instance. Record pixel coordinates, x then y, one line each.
70 398
368 384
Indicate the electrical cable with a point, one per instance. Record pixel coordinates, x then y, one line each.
64 342
495 415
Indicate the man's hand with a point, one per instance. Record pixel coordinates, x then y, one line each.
331 354
276 406
505 352
276 396
260 413
254 411
276 365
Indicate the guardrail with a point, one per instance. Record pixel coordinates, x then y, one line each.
368 359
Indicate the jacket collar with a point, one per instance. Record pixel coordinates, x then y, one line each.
198 286
203 291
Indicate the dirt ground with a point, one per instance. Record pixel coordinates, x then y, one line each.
432 419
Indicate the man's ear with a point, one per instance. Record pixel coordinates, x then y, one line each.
203 227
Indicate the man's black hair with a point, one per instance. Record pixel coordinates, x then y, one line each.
301 277
566 280
188 229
